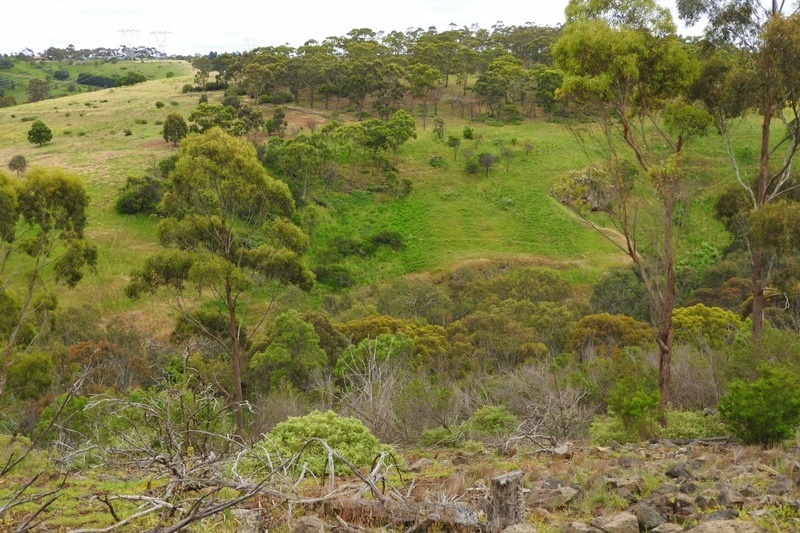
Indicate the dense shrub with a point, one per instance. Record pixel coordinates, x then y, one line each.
276 99
139 195
635 400
348 436
334 276
491 421
442 436
95 80
764 411
61 75
692 425
437 161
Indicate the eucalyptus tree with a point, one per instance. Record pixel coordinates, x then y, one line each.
227 232
42 248
498 84
317 67
626 69
763 41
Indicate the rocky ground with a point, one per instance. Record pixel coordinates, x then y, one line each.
664 487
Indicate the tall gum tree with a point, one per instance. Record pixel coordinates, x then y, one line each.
626 72
764 40
227 231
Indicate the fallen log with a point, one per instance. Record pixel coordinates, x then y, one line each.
415 515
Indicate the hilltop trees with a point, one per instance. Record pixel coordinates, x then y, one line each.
227 231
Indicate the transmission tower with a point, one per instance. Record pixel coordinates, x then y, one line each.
127 37
161 40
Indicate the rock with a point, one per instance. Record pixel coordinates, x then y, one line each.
668 527
553 483
618 523
794 473
524 527
580 527
309 524
459 460
680 471
780 486
564 451
648 517
248 521
726 526
722 514
631 483
730 497
552 499
627 495
707 500
420 464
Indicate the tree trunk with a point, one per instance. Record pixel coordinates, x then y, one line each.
236 361
507 501
758 256
665 333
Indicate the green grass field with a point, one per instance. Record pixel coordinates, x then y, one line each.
449 218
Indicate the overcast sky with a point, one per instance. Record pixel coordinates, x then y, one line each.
179 27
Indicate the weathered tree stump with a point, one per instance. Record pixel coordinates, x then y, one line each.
506 501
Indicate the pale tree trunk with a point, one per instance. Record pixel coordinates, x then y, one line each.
758 255
236 361
665 333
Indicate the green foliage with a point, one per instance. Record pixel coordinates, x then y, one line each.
61 75
74 424
31 375
604 334
468 133
290 353
490 421
372 352
607 429
442 437
635 400
39 133
621 291
18 164
130 78
437 161
708 326
140 195
334 276
175 128
764 411
692 425
346 435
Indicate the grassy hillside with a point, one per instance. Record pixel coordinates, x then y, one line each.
14 80
450 217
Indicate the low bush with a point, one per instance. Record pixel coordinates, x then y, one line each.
692 425
491 421
346 435
764 411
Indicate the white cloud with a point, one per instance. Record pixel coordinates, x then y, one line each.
227 26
